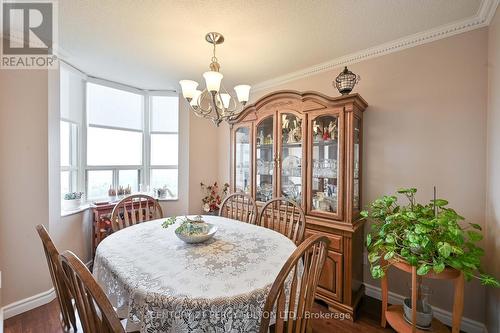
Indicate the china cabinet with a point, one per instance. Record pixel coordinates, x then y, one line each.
307 147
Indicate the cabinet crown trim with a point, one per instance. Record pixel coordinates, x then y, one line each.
282 98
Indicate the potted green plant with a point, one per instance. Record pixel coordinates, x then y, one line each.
429 237
72 201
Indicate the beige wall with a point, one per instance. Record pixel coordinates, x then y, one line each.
425 126
493 177
203 153
23 182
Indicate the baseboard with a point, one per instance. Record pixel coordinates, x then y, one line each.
13 309
467 325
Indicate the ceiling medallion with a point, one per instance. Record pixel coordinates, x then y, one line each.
214 102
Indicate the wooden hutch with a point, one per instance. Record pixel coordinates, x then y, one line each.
307 147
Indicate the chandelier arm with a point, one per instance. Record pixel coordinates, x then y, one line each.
214 105
203 96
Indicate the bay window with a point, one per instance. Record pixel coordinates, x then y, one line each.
129 138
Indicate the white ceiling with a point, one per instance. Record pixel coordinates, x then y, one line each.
153 44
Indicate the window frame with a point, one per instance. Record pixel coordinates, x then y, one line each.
148 123
74 156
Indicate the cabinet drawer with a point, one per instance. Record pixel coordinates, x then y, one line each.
335 240
330 280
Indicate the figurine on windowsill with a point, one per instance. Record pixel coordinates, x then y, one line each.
111 192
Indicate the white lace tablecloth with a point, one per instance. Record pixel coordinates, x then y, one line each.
161 284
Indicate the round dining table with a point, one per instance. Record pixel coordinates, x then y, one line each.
161 284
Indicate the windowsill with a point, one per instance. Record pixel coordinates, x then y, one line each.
88 205
80 209
168 199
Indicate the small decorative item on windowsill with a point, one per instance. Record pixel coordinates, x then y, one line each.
346 81
213 197
72 201
163 192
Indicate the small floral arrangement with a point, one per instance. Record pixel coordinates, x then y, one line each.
213 196
73 196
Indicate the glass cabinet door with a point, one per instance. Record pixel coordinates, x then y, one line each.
242 182
325 165
290 157
264 159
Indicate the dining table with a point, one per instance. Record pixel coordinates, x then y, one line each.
161 284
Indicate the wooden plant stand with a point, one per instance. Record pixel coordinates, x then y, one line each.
394 314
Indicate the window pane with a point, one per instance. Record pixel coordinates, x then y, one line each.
98 183
165 113
71 95
112 107
113 147
129 178
164 149
65 141
65 188
165 177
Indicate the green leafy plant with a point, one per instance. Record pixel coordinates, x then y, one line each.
429 237
189 226
168 222
73 195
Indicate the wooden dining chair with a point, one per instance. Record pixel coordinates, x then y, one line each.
239 206
292 294
284 216
94 309
133 209
64 298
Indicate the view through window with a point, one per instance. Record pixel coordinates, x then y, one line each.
130 139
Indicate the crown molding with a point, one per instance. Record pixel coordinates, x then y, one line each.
482 19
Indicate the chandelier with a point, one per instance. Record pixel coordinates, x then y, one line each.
214 102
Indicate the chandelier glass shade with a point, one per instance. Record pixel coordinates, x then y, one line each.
215 102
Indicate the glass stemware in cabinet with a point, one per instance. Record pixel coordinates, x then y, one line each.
325 154
291 157
242 160
265 160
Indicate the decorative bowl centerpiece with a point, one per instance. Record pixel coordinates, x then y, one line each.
192 230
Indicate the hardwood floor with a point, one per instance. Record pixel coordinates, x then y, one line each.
45 319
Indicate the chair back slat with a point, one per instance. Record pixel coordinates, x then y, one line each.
136 208
284 216
301 271
64 298
94 309
239 206
293 301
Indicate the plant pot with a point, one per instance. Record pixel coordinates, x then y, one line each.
424 316
213 213
69 205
